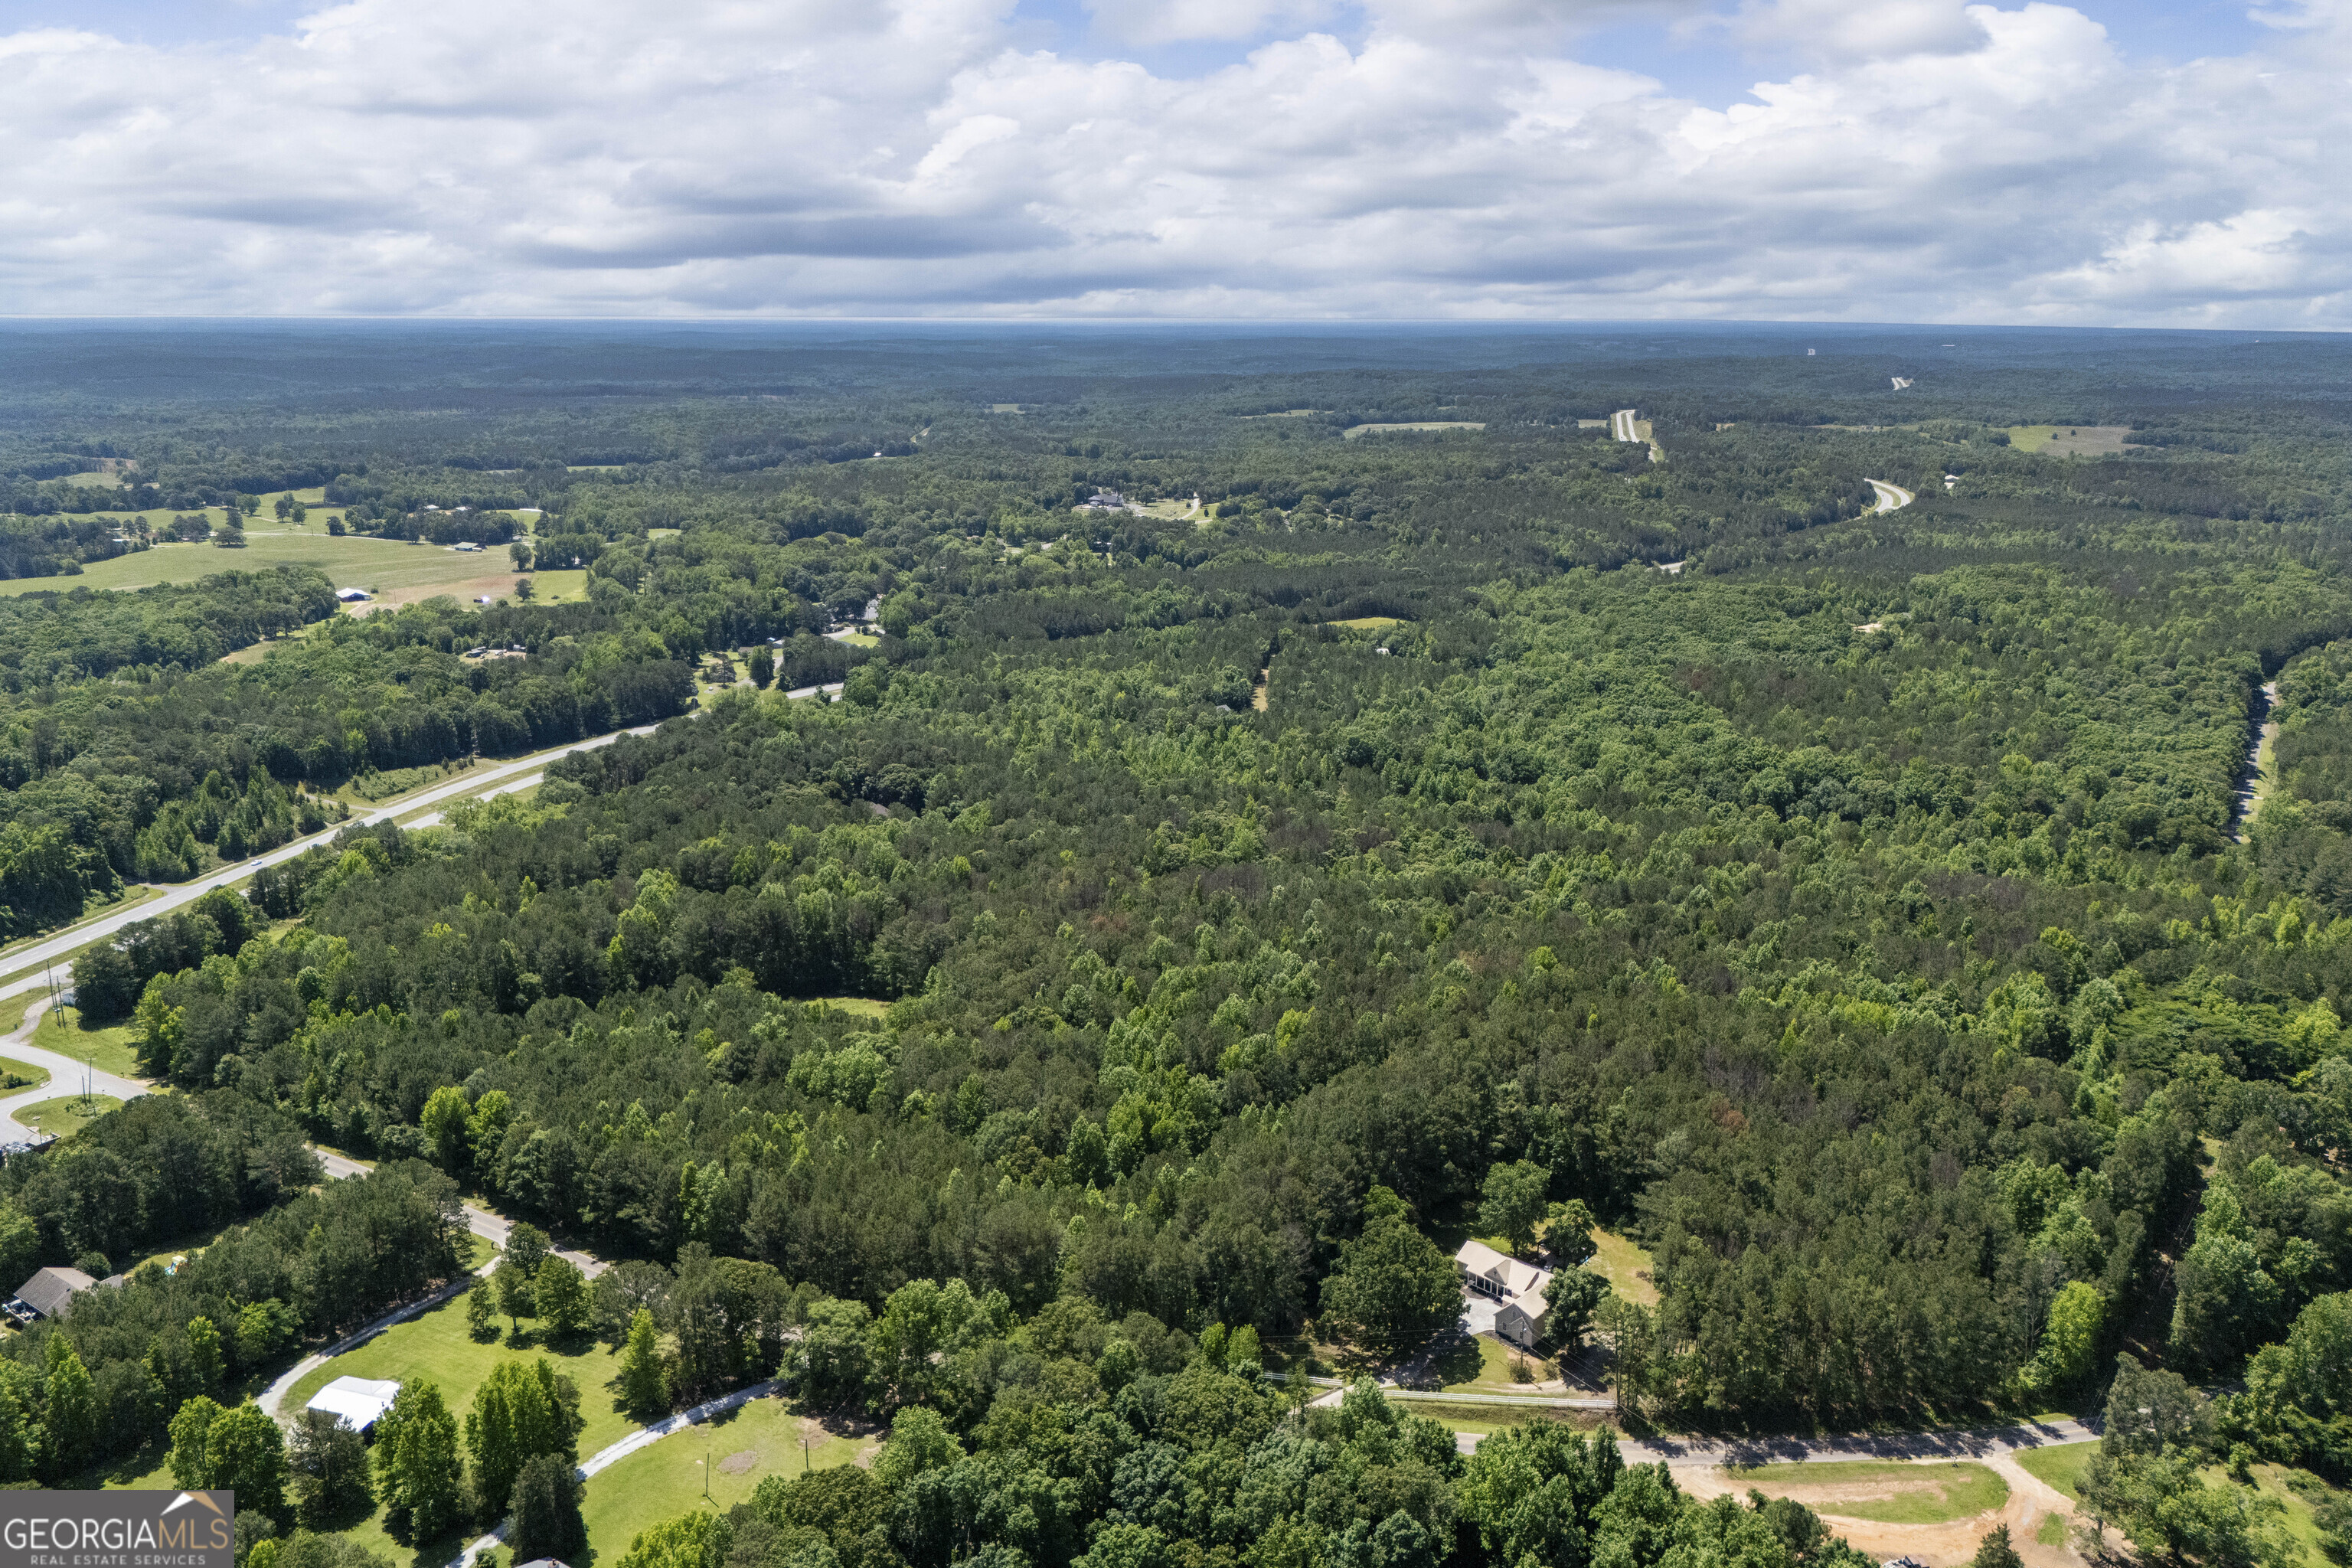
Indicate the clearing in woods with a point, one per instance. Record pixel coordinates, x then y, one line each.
2070 440
1352 431
1625 1266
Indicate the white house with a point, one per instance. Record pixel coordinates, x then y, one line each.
359 1400
1518 1290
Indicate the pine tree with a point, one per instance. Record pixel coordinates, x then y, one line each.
644 1389
546 1511
561 1291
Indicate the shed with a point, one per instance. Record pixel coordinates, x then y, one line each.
360 1401
352 595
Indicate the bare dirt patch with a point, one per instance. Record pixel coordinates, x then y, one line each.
738 1464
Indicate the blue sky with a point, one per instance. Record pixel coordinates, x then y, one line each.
2092 163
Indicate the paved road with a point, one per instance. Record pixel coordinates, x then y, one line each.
474 781
66 1076
1891 498
1974 1443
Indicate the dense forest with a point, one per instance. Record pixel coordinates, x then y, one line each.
1260 879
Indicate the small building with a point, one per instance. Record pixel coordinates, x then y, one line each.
44 1295
352 595
1518 1290
360 1401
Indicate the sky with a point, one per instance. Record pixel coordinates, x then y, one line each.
2172 163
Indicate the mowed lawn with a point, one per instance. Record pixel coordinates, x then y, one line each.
108 1050
2059 1467
67 1115
665 1478
436 1344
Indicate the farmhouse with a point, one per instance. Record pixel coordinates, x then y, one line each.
1517 1288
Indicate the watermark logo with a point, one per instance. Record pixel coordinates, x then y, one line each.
117 1530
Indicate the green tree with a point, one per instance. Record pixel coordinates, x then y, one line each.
830 1362
514 1288
545 1508
1394 1287
1511 1205
246 1453
70 1414
416 1459
560 1293
481 1305
919 1442
1997 1551
523 1408
683 1542
644 1385
19 1425
445 1123
527 1249
1567 1233
519 554
191 1432
2070 1338
1573 1295
763 668
2166 1509
206 1365
326 1461
921 1323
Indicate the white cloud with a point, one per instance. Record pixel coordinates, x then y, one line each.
1452 157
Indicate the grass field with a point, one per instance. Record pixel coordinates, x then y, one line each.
857 1007
2059 1467
67 1114
108 1050
1367 623
16 1075
436 1344
666 1479
382 567
1625 1266
1882 1490
568 586
1352 431
2070 440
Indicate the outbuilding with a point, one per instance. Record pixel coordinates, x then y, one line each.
361 1401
